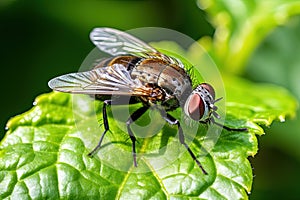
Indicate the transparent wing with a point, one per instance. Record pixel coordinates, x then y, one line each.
108 80
115 42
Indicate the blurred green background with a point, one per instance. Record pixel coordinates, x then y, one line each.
43 39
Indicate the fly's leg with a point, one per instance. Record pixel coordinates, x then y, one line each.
134 116
228 128
171 120
106 126
212 120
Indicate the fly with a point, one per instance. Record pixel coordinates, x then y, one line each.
140 71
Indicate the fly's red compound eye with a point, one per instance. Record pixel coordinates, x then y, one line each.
209 88
196 107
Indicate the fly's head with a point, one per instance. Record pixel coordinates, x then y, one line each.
200 104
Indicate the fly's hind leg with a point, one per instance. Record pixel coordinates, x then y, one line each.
134 116
106 127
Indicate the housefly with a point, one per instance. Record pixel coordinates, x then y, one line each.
144 74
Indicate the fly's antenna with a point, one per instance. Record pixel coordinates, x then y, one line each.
218 99
214 108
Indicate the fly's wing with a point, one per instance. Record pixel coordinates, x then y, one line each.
110 80
116 43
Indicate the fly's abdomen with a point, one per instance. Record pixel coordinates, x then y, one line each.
168 76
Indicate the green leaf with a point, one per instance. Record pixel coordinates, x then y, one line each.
240 27
282 69
44 152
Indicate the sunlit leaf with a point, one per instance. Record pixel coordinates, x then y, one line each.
44 152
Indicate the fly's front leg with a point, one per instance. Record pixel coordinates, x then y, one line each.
106 126
171 120
137 114
212 120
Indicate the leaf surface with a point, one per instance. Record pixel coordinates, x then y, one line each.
44 152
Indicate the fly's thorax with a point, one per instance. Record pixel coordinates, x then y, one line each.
200 103
172 78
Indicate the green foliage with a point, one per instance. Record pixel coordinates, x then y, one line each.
241 25
276 61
